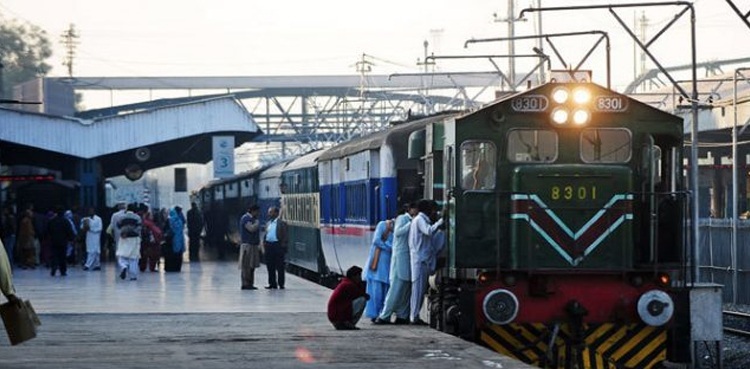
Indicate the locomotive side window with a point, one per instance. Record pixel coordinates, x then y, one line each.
478 160
606 145
532 145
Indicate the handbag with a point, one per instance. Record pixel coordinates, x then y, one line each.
20 321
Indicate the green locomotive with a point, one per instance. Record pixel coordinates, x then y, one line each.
565 206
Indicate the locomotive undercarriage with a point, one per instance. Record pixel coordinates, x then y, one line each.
566 343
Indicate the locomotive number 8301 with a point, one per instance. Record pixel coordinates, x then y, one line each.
570 192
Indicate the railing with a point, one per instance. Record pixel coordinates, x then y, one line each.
716 257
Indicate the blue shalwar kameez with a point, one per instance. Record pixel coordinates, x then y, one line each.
397 298
377 270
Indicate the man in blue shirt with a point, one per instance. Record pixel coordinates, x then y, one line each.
274 246
421 251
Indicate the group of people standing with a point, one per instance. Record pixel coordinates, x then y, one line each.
53 239
141 242
273 246
136 238
402 256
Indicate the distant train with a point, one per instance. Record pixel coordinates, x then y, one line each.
565 207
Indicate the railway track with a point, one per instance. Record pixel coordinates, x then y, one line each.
737 323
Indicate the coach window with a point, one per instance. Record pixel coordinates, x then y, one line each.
606 145
532 146
478 160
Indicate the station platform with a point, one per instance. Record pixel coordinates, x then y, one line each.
199 318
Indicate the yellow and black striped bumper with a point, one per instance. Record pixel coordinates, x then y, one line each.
604 346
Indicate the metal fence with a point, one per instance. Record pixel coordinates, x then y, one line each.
716 258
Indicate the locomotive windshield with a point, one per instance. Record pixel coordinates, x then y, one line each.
605 145
532 145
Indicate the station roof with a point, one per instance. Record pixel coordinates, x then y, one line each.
173 134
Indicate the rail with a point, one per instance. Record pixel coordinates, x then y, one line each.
741 323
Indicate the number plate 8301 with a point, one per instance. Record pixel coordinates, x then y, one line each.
611 104
530 103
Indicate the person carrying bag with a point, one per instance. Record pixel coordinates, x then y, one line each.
18 316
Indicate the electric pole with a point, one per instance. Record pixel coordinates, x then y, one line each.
69 39
511 20
643 27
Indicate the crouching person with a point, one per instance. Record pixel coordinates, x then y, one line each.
348 300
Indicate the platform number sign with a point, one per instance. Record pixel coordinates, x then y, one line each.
223 156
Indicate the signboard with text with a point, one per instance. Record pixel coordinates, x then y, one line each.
223 156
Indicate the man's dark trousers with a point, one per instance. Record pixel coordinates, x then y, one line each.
275 264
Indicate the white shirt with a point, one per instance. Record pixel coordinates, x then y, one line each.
93 236
420 243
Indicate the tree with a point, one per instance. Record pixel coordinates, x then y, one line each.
23 49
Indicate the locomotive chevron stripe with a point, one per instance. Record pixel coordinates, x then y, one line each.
606 346
549 226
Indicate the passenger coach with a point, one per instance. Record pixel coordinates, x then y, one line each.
362 182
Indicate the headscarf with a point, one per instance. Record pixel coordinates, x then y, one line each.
177 225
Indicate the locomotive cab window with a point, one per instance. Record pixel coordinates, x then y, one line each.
532 145
606 145
478 160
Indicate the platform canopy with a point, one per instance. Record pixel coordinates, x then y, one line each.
149 138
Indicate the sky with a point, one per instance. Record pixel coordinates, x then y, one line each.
303 37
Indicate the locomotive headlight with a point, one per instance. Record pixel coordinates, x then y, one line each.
500 306
581 96
581 117
655 308
560 116
560 95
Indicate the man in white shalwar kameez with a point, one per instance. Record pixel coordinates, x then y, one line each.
129 246
92 225
421 252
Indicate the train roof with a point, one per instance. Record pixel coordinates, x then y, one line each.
275 170
235 177
377 139
305 161
597 90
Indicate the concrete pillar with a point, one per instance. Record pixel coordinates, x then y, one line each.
91 192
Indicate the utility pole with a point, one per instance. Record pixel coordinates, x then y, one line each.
363 66
427 64
511 20
643 22
69 39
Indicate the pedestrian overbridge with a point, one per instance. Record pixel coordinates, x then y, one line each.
90 150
